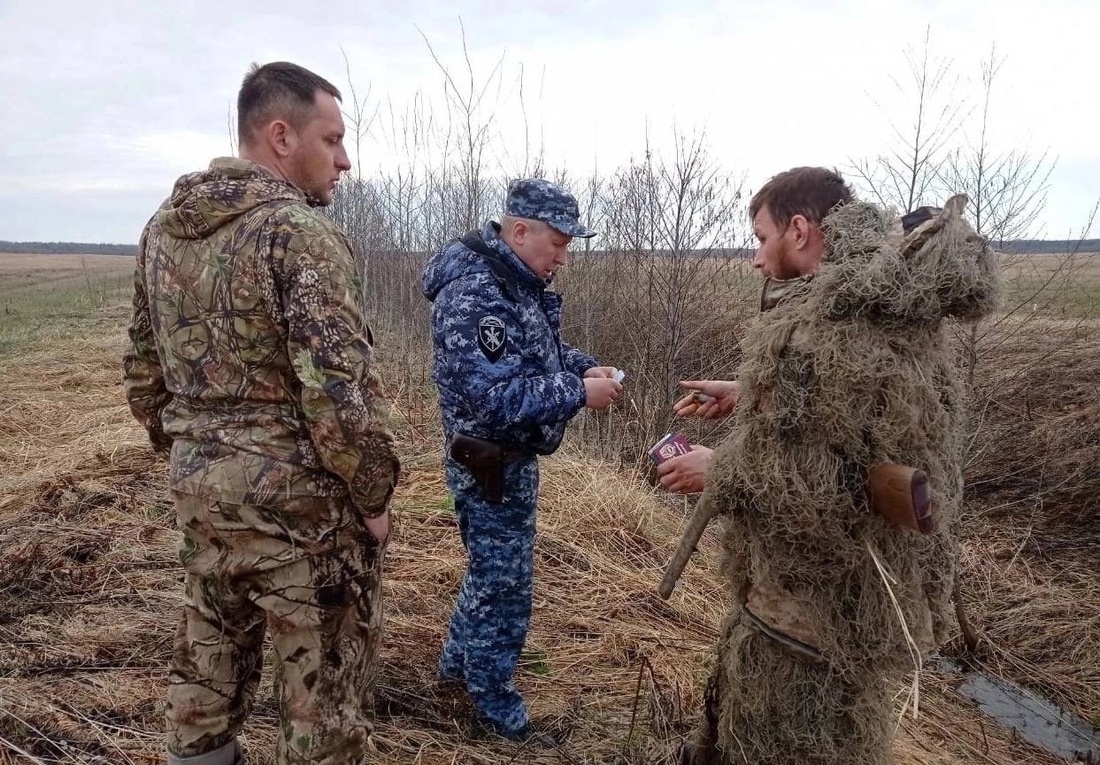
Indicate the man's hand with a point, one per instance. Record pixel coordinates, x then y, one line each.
379 527
709 399
686 474
600 392
598 372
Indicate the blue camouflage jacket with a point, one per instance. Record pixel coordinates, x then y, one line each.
502 371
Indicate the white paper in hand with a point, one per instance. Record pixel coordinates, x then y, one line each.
618 376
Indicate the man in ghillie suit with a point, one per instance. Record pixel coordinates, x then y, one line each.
848 369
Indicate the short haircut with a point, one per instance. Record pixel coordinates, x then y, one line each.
507 221
279 90
808 191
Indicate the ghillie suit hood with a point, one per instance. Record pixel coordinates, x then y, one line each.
849 370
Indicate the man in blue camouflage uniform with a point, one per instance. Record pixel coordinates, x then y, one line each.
505 376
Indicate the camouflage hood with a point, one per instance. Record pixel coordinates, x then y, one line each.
450 263
874 270
203 202
476 253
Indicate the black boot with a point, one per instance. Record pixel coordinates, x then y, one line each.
227 754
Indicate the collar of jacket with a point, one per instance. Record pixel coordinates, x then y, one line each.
775 291
239 169
506 266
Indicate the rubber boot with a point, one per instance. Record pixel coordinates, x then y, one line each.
228 754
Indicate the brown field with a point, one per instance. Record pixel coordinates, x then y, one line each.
13 262
1086 263
20 272
89 584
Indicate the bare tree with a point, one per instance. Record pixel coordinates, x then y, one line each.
1006 188
471 104
356 117
660 298
904 177
439 176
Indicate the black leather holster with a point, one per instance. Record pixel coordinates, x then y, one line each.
485 460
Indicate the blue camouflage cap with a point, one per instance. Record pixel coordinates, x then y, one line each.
536 199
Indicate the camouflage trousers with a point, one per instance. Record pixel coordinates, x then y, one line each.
307 572
765 704
493 610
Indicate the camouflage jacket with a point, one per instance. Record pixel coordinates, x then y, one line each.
249 356
502 371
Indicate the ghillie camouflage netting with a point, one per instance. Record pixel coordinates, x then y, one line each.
851 370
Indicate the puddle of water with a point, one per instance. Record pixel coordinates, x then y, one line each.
1036 720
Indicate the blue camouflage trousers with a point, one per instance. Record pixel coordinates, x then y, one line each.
493 610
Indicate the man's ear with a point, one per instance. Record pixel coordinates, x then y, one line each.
519 231
281 137
801 230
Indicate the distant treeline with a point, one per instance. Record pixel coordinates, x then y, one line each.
1053 246
67 248
1022 246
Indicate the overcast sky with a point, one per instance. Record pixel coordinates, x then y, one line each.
104 104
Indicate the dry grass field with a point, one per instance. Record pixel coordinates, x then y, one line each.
90 589
1058 286
48 297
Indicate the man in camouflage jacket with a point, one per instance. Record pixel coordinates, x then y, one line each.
250 366
505 376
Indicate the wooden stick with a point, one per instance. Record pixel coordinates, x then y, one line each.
700 519
970 635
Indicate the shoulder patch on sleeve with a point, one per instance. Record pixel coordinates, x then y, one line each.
491 335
